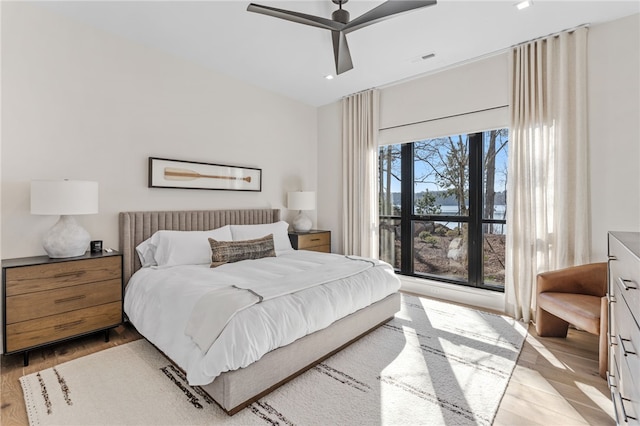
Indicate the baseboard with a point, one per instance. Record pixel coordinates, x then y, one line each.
480 298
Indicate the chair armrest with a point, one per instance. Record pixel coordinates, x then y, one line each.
588 279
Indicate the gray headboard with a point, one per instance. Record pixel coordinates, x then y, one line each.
135 227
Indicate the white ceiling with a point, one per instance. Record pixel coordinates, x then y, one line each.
292 59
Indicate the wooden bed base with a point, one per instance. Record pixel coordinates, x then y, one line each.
234 390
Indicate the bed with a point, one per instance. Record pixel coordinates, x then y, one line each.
232 387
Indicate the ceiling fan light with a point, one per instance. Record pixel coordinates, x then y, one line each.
328 77
523 4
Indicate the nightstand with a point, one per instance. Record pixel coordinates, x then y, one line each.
314 240
51 300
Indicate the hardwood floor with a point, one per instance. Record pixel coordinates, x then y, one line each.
555 381
12 407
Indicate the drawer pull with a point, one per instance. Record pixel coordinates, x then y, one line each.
69 274
624 349
612 341
68 325
611 379
627 284
315 239
624 411
612 257
71 299
611 298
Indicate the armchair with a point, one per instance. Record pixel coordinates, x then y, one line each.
577 296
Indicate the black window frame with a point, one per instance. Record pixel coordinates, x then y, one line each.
475 219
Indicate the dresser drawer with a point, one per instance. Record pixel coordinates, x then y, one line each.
629 405
28 306
29 279
627 337
27 334
318 241
625 274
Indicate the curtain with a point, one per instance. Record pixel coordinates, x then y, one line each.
359 173
548 185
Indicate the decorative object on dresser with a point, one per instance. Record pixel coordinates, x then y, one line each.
165 173
301 200
314 240
65 198
624 328
51 300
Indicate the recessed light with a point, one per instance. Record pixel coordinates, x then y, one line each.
328 77
524 4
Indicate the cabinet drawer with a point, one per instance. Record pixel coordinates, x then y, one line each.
323 249
627 337
28 306
27 334
29 279
629 407
309 241
625 274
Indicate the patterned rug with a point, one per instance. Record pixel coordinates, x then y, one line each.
434 363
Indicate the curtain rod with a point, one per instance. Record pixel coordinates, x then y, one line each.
467 61
357 93
553 35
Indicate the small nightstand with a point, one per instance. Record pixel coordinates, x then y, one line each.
314 240
50 300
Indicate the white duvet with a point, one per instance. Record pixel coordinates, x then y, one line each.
160 303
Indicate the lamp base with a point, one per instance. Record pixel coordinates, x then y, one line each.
66 239
302 223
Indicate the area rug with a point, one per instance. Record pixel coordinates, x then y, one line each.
434 363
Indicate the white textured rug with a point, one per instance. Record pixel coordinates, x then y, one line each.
434 363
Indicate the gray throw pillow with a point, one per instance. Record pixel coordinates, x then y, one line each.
233 251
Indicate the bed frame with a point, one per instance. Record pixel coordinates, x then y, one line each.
234 390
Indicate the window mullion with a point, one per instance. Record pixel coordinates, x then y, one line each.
406 204
475 209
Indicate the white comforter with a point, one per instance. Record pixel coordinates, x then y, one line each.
160 302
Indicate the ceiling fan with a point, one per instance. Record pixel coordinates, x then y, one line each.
339 24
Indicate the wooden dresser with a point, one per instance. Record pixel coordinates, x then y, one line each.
624 325
314 240
50 300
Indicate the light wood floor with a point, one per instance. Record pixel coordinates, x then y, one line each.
555 381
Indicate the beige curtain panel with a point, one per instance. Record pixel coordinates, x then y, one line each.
548 185
360 119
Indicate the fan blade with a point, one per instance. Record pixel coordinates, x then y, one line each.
341 52
300 18
386 10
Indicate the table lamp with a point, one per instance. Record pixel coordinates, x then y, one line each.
65 198
301 200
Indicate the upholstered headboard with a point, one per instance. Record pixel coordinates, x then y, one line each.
135 227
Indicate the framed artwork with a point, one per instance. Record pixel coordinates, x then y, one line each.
165 173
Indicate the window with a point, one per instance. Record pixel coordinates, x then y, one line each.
443 207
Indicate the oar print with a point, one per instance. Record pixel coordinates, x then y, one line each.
171 173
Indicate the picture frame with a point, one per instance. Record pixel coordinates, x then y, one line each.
168 173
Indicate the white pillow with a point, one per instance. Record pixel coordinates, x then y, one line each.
170 248
147 252
280 231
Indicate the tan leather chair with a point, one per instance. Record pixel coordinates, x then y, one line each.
577 296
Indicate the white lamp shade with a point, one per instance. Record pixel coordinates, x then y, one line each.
64 197
301 200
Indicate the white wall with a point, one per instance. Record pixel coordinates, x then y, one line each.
614 139
83 104
614 129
